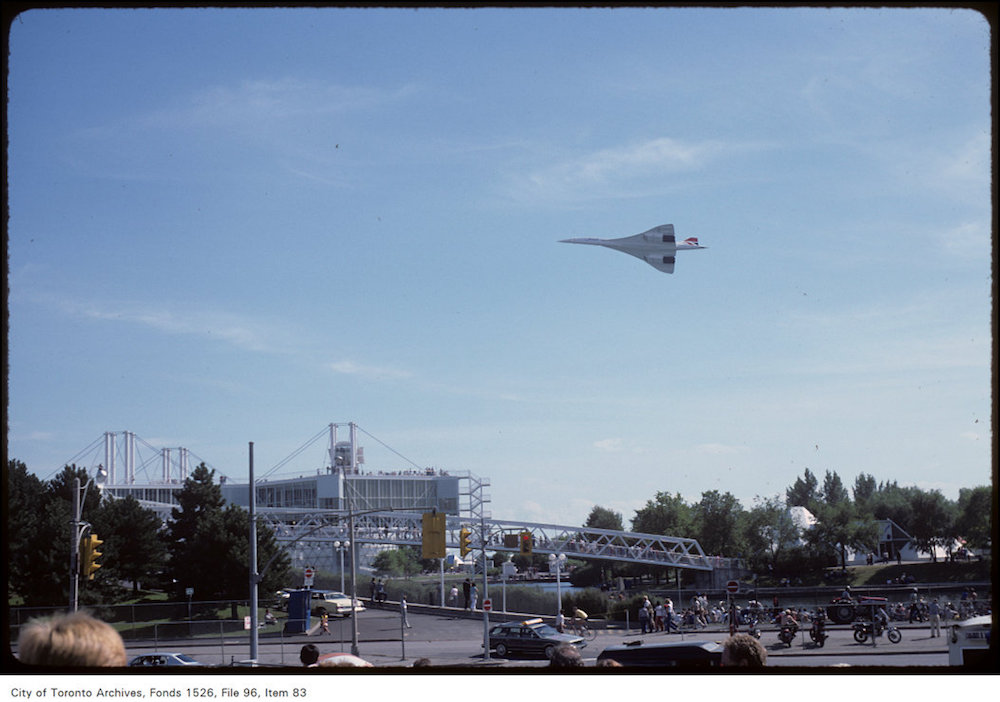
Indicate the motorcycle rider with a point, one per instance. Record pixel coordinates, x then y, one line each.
818 630
787 621
881 620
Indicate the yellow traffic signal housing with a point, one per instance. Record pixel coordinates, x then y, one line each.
464 541
89 555
433 540
525 542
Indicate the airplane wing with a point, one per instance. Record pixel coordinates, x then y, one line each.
663 234
661 263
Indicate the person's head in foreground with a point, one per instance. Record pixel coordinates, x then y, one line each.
566 656
309 654
345 660
71 640
743 650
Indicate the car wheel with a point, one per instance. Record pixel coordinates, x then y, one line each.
502 650
549 650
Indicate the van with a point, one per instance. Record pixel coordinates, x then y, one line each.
969 642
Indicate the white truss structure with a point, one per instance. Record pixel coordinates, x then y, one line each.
317 529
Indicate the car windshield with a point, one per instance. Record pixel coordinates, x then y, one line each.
186 658
544 630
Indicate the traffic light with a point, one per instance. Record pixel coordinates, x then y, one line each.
89 555
433 540
464 541
525 542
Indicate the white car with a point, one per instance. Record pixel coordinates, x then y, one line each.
334 603
163 659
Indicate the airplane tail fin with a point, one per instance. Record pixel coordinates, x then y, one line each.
693 241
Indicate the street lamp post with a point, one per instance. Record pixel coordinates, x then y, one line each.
77 530
557 562
340 547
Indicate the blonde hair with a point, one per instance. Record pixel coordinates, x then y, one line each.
75 639
344 661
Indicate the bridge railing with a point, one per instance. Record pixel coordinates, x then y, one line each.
405 529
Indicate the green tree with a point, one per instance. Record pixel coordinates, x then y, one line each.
133 548
803 492
716 522
39 521
864 490
838 527
893 502
604 518
833 491
768 532
665 514
209 545
935 523
973 518
34 541
599 518
398 562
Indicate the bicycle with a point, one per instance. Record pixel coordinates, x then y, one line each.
582 630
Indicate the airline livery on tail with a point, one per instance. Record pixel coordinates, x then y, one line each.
656 247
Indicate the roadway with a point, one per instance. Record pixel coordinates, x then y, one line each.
453 638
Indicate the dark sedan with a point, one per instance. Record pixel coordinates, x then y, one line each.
530 637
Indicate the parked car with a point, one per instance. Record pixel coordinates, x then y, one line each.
334 603
163 659
687 654
531 636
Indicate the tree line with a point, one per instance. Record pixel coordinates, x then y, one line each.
204 545
767 538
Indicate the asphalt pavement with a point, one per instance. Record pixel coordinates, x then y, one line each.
453 638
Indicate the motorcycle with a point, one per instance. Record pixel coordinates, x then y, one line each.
862 630
753 628
787 635
817 632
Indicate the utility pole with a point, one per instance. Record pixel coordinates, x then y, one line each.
254 575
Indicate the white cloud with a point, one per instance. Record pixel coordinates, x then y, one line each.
232 329
612 445
719 449
624 171
348 367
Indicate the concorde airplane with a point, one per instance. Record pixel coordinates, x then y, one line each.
656 247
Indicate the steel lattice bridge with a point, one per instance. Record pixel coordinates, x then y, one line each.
315 532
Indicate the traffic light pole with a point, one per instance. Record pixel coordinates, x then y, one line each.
486 591
74 550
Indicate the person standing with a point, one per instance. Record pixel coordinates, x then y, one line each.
473 597
467 591
669 617
402 611
453 596
934 610
643 618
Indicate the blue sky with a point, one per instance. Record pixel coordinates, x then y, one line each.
241 225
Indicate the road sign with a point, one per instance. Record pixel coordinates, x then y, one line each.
487 605
309 573
733 587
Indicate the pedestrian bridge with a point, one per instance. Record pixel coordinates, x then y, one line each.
312 534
